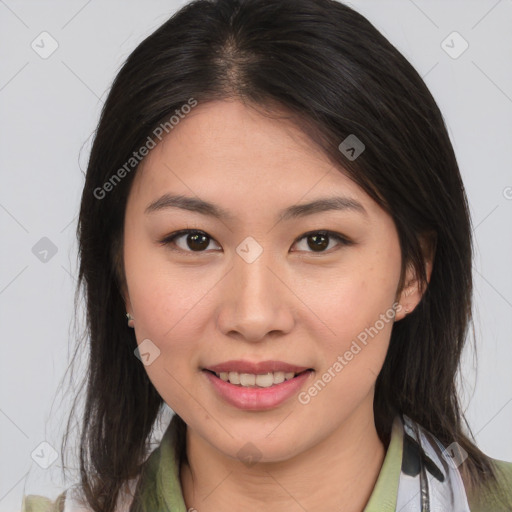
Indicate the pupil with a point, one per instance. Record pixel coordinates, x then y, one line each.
319 242
199 239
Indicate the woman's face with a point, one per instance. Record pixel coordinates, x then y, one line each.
253 286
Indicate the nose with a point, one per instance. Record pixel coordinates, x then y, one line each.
256 300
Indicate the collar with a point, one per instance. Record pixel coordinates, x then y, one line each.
418 475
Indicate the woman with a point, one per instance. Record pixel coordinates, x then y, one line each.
273 202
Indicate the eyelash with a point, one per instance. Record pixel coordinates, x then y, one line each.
331 234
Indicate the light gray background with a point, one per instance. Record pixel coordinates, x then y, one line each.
49 109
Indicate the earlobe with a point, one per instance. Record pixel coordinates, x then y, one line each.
414 289
130 320
408 300
129 309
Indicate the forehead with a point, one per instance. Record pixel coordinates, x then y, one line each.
229 153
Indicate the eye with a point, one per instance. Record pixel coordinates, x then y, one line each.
318 241
198 241
195 241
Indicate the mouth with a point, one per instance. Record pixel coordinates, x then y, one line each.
262 380
257 391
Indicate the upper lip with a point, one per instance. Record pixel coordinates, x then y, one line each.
255 368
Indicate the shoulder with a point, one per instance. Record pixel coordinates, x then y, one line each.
496 496
71 501
65 502
34 503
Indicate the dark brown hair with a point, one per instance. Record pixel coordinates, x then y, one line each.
336 75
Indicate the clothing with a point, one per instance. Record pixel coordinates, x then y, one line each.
418 475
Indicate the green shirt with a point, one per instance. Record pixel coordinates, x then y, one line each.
164 490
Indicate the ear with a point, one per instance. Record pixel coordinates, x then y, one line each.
412 292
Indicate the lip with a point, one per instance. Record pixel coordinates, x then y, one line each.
255 368
257 399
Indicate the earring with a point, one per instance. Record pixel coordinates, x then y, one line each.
130 320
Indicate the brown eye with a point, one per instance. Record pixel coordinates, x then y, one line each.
318 241
195 241
192 240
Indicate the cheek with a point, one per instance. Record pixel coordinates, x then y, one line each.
353 297
161 293
362 319
168 309
163 300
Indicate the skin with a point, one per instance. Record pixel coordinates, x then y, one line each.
292 304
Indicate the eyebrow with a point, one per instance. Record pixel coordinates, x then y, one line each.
197 205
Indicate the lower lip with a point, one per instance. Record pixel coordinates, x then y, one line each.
257 399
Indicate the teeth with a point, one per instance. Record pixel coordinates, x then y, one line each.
246 379
251 380
233 377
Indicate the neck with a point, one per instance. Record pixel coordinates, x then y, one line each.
339 473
